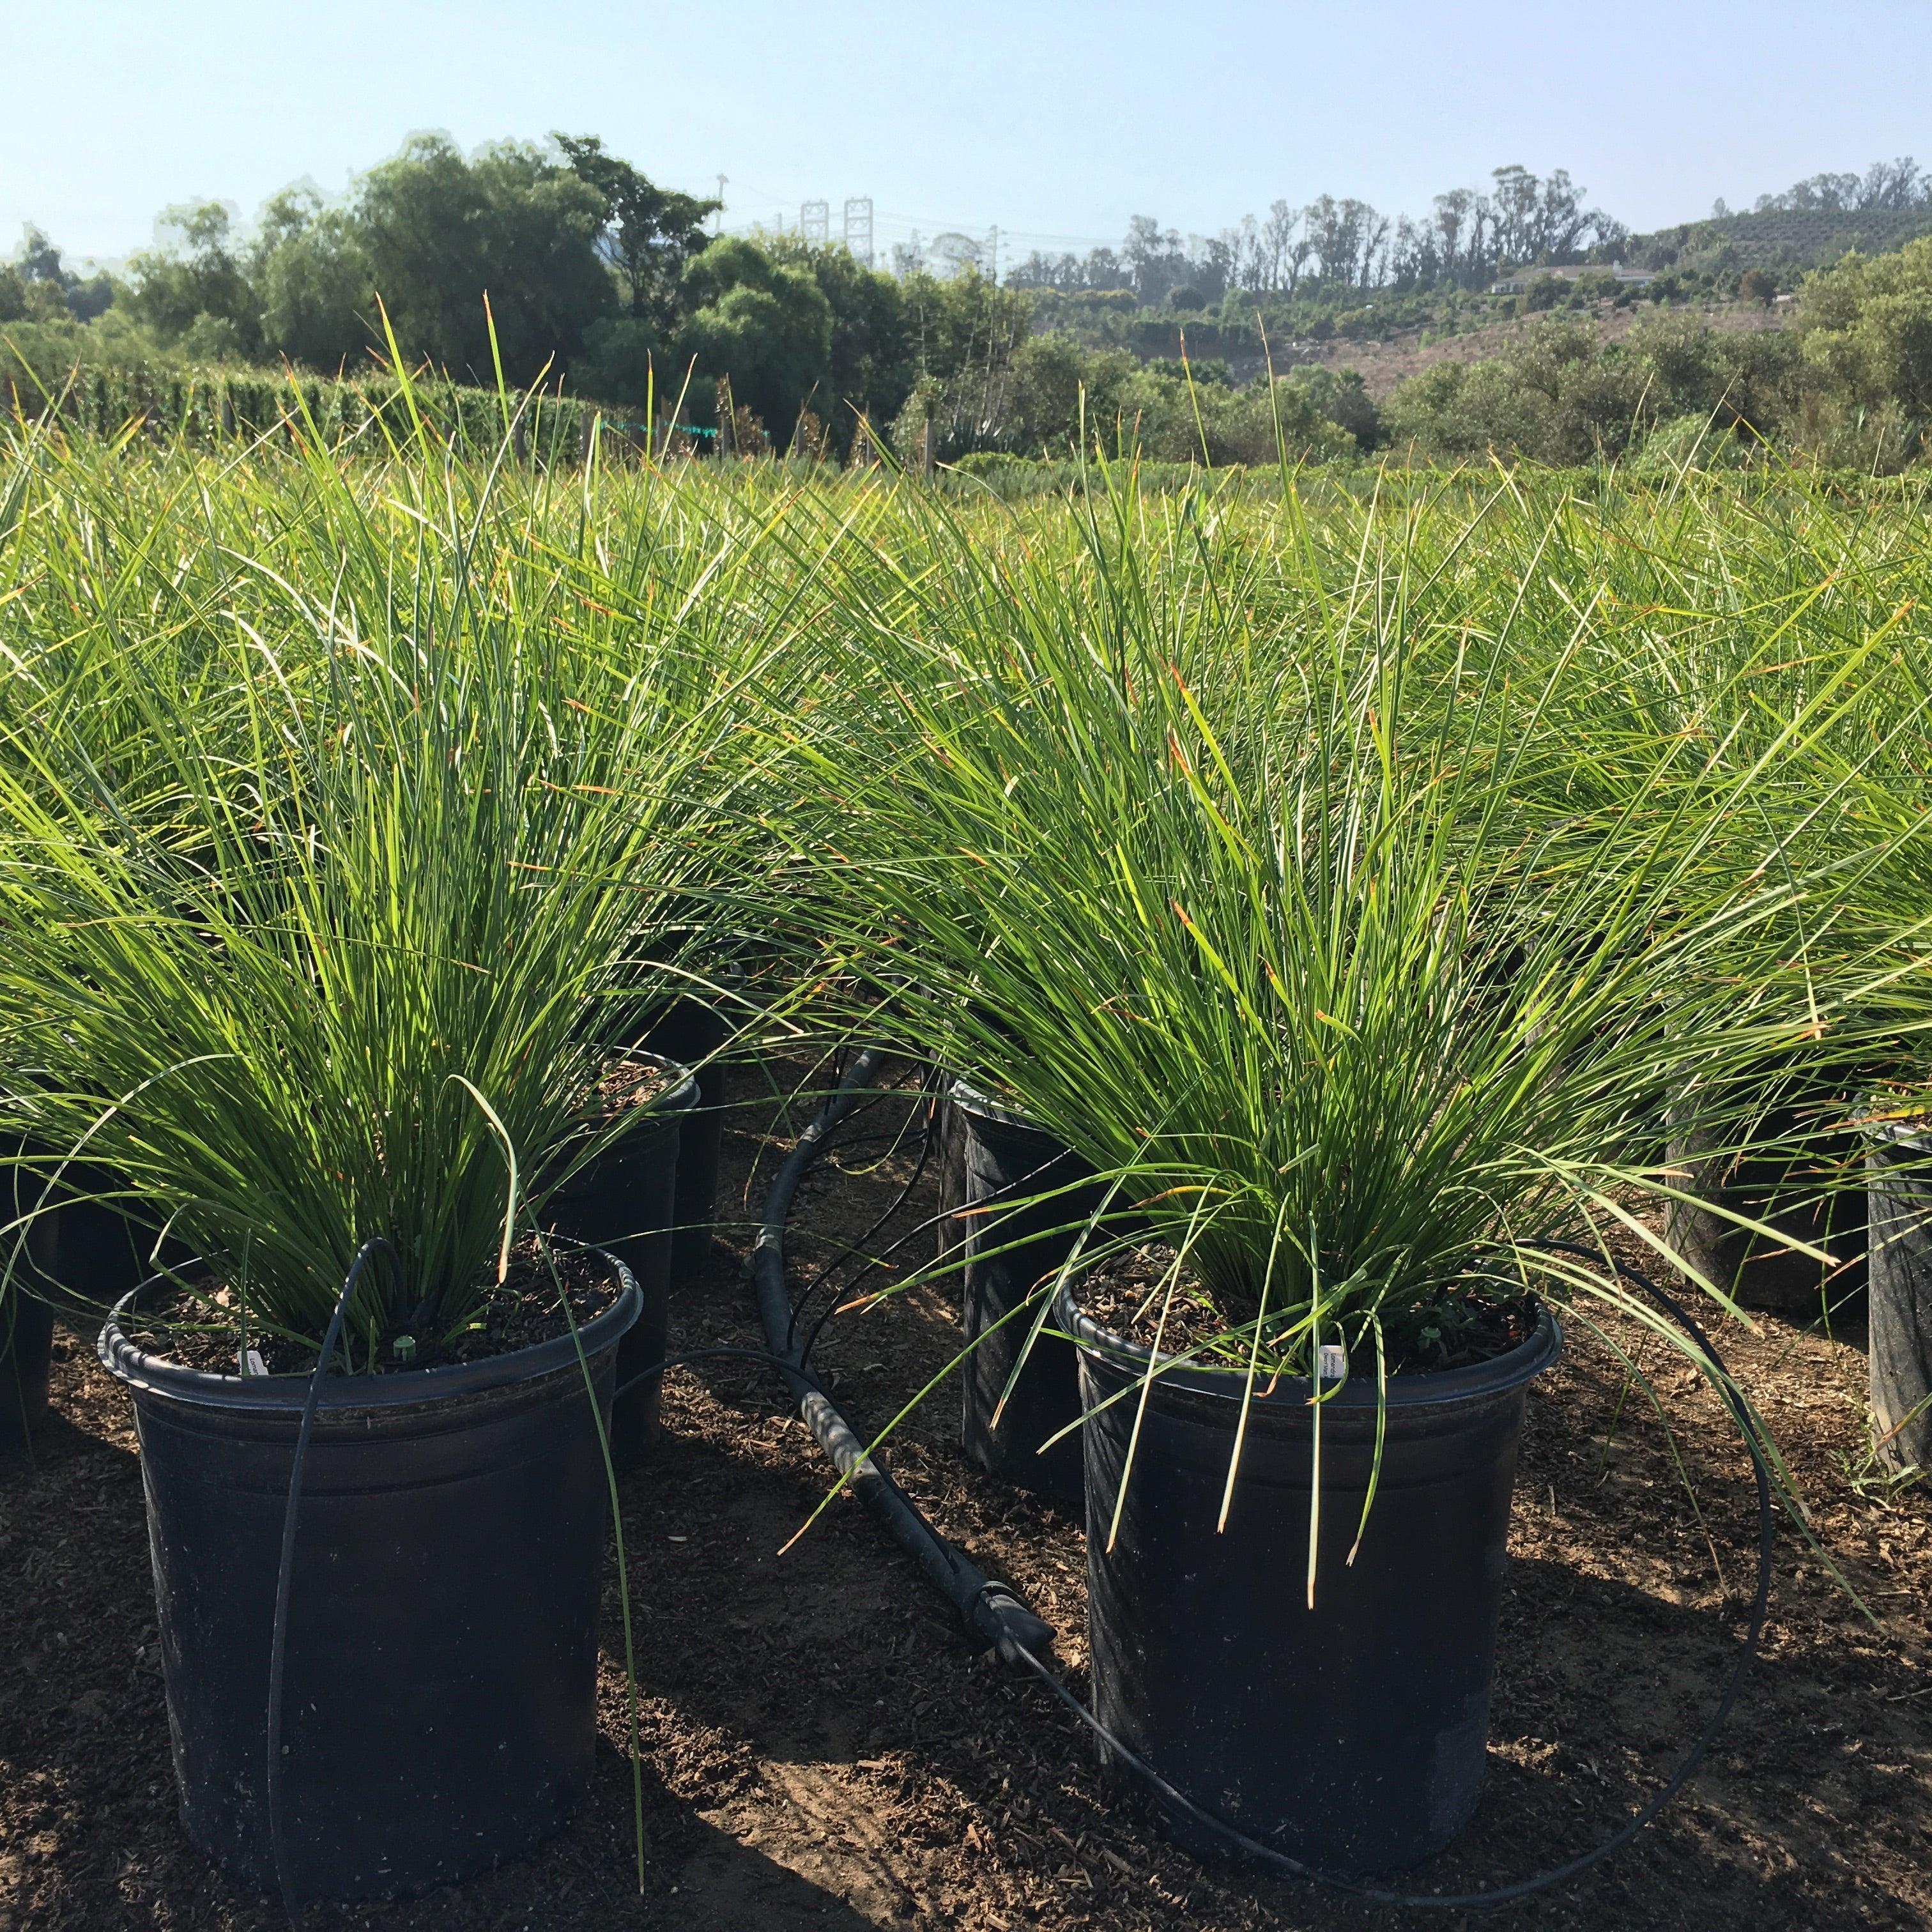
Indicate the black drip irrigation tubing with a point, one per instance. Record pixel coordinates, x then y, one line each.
989 1610
992 1611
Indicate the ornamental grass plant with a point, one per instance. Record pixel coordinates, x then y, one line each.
1327 940
340 794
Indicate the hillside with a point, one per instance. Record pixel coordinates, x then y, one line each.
1382 365
1786 239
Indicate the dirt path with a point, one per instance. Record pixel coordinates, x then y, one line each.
821 1750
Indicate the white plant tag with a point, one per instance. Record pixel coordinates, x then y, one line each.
252 1363
1334 1364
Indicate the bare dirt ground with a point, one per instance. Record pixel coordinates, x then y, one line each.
821 1748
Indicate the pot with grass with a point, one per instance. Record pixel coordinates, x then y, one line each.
26 1360
1898 1171
694 1031
1309 1643
1353 1033
335 1016
436 1625
1770 1211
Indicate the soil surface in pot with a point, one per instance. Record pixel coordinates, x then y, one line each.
522 1310
1128 1294
626 1083
822 1750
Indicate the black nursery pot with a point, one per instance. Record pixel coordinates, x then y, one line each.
439 1705
948 1230
107 1249
1898 1183
693 1034
27 1329
1002 1157
625 1200
1789 1187
26 1356
1351 1737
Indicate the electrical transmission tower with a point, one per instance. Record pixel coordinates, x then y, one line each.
814 220
859 228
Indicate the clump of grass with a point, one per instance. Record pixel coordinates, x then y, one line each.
1287 931
319 942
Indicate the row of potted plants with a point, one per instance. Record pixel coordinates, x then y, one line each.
1301 977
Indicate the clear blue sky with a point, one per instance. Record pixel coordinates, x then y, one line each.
1056 119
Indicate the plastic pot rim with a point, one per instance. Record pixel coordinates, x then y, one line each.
975 1100
683 1096
397 1389
1914 1134
1499 1375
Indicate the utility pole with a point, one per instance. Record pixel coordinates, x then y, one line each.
993 252
814 220
859 228
718 214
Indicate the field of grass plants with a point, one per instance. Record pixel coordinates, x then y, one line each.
1420 903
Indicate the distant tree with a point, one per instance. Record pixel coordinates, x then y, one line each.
1340 396
1755 286
649 233
313 282
195 268
1885 186
1557 396
1041 271
1374 250
763 326
872 363
1052 377
1544 220
1335 230
625 361
442 233
1894 185
1282 252
1466 222
1866 327
963 332
1213 263
38 258
1752 377
49 288
1153 258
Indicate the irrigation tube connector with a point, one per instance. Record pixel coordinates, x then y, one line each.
990 1610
